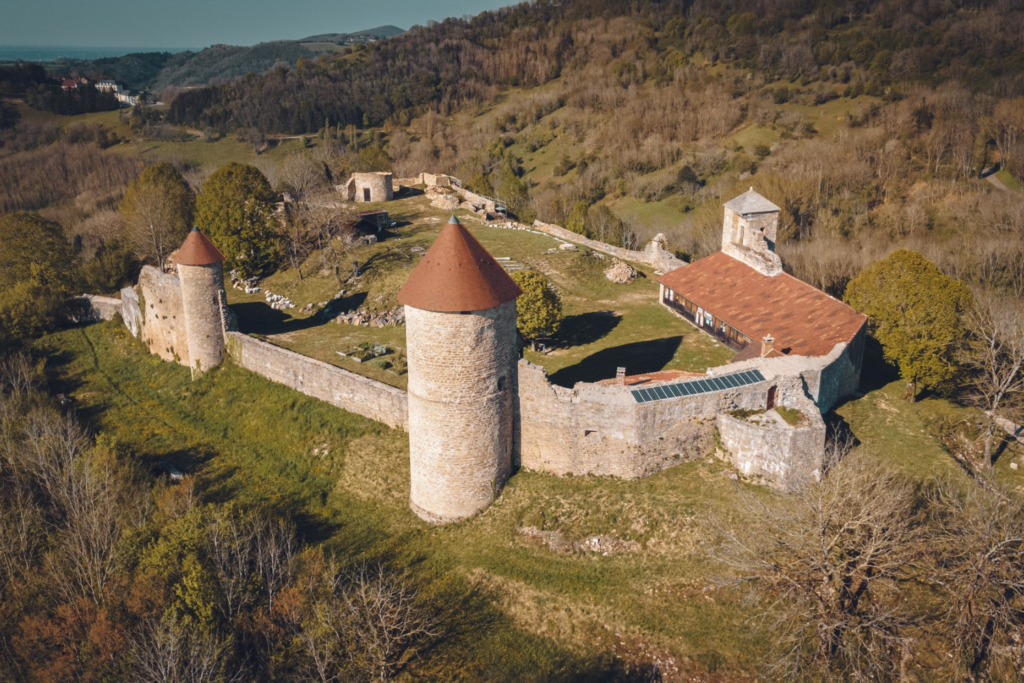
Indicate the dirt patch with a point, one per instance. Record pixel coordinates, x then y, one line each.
601 544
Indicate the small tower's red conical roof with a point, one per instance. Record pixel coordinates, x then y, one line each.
198 250
457 274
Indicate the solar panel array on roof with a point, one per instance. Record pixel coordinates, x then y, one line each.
698 386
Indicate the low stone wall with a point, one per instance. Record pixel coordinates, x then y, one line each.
93 308
340 388
602 430
781 454
654 254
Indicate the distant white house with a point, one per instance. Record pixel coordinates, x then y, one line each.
108 85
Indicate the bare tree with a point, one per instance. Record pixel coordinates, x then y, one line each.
384 622
825 564
172 652
994 356
978 554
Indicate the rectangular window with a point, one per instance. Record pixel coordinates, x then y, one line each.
501 383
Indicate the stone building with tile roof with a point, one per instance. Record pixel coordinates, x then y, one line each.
742 297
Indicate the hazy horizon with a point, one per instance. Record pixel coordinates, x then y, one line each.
149 25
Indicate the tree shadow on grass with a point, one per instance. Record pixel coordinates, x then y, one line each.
256 317
876 372
637 358
585 328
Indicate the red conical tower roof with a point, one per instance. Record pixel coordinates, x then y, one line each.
198 250
457 274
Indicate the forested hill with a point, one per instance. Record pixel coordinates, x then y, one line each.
158 70
875 46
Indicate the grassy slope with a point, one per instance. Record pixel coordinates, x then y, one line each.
517 610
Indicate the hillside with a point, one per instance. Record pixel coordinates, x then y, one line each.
158 70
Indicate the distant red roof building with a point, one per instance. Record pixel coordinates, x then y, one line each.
457 274
721 290
198 250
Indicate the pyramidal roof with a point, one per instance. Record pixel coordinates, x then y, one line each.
750 202
198 250
457 274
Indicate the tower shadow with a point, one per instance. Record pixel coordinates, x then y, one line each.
257 317
637 358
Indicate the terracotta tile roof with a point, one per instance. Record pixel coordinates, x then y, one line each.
804 321
457 274
198 250
649 378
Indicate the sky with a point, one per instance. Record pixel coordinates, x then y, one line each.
200 23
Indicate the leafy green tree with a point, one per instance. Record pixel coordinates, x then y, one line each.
235 208
515 191
539 309
157 209
37 266
916 314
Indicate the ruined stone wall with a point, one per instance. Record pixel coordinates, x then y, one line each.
334 385
781 454
602 430
462 383
131 311
93 308
201 289
654 254
164 321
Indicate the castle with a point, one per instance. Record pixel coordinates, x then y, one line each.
475 412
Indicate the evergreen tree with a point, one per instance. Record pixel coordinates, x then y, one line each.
915 312
236 208
538 309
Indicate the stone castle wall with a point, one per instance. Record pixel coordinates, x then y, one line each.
462 383
654 254
599 429
782 454
131 311
334 385
163 327
201 288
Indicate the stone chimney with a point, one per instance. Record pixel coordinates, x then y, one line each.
767 345
620 375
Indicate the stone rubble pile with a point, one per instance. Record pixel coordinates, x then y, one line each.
396 316
442 198
249 286
278 302
621 273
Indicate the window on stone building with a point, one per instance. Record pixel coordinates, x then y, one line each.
501 383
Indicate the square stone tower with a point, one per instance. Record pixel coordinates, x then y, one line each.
748 232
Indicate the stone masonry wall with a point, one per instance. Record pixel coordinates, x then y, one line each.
654 254
380 186
782 454
602 430
131 311
334 385
164 321
462 382
201 288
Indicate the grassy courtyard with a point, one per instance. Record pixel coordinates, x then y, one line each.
606 326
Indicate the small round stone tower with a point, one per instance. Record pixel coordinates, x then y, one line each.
462 346
201 272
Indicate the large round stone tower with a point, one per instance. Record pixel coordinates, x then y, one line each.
462 345
201 271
